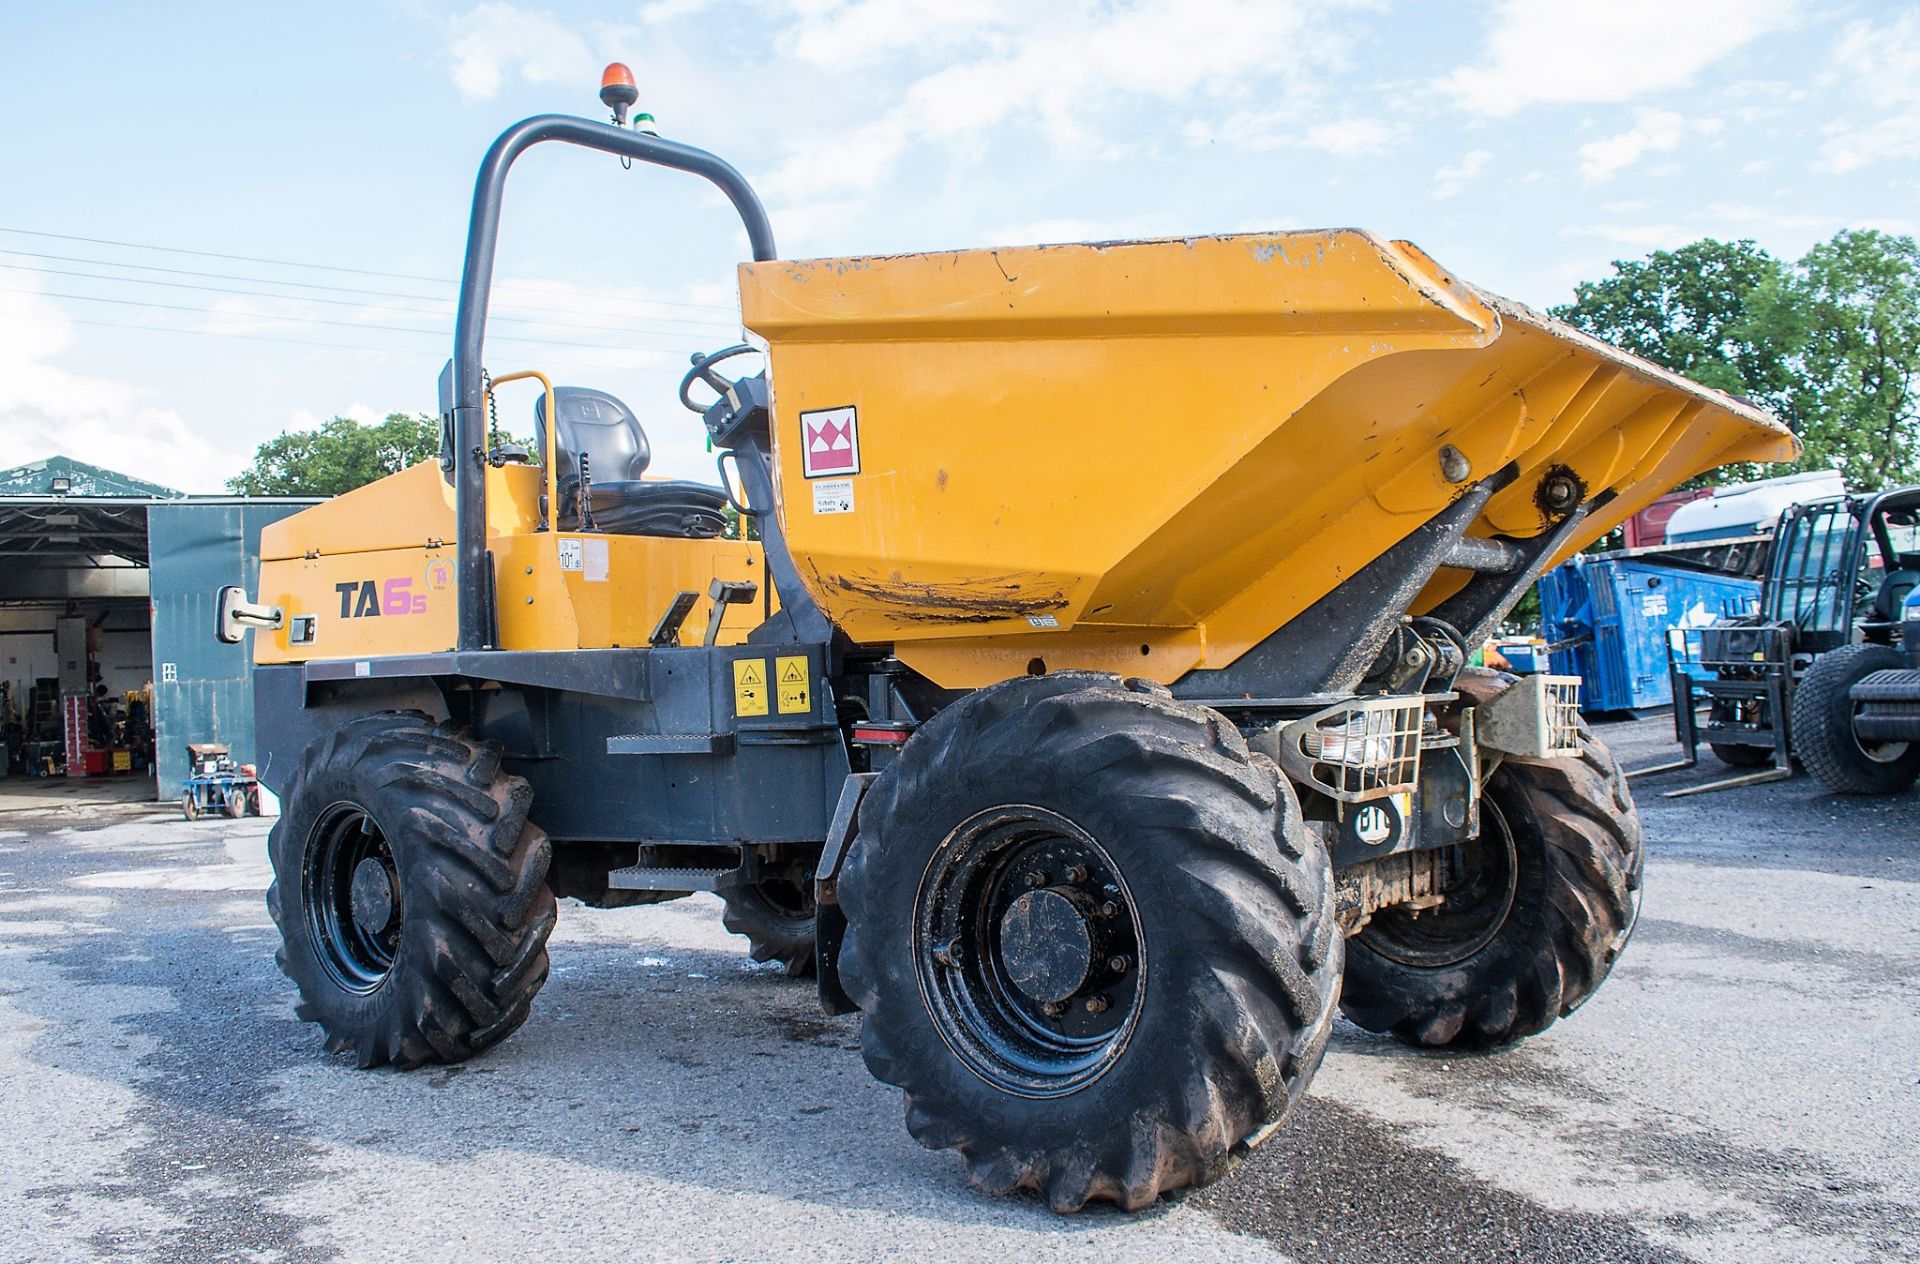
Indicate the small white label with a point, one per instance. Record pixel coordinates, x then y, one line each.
1043 620
833 495
1652 604
169 673
596 560
363 668
571 554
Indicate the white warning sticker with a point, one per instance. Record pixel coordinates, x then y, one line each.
570 554
596 560
833 495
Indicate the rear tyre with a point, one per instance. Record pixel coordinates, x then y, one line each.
233 802
776 916
1092 939
1545 902
189 806
1823 735
1740 756
410 891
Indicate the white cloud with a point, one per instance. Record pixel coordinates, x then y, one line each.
1258 131
1639 236
1450 180
496 41
1552 51
1054 231
47 411
1882 62
668 10
1061 68
1653 132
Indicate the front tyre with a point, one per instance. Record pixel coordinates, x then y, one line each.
1092 939
1823 732
1541 905
410 891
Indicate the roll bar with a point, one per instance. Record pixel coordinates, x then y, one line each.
467 422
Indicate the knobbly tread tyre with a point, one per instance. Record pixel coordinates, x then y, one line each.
471 951
773 934
1580 855
1235 900
1823 724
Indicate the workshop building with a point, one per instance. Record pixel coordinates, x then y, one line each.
108 663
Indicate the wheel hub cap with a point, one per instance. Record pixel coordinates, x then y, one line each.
372 896
1030 952
1046 946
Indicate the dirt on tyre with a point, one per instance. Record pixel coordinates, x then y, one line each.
1091 938
1544 902
1823 733
410 892
775 915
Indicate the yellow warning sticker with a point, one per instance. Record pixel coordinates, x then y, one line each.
749 686
791 670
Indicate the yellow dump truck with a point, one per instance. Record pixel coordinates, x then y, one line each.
1087 704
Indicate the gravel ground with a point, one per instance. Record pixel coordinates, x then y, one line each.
1745 1088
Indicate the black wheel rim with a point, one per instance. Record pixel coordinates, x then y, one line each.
790 899
1029 950
1478 901
353 898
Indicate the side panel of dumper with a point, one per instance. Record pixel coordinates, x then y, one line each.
1147 457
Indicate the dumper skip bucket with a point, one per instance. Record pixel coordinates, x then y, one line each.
1146 457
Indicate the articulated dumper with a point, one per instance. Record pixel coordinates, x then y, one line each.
1086 702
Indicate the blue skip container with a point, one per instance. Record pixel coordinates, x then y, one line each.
1608 617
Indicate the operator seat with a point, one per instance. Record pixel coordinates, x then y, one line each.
596 424
1900 580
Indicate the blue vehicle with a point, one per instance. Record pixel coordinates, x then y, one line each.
216 784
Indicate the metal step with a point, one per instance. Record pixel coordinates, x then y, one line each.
659 878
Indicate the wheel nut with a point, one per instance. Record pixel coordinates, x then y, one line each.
1035 878
950 954
1118 964
1077 874
1097 1004
1110 909
1053 1009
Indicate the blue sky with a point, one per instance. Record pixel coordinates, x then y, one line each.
1523 143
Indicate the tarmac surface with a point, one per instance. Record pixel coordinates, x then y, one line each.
1745 1088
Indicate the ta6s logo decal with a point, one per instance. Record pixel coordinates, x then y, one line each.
363 598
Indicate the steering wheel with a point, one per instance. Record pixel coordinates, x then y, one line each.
702 371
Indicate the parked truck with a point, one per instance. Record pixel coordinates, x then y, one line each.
1095 690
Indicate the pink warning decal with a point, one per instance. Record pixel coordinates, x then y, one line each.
830 442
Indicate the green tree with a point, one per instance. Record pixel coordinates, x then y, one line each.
338 456
1854 305
1691 310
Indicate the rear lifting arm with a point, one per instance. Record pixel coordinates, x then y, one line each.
467 420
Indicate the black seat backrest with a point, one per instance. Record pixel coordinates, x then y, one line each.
1899 581
596 423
